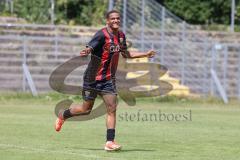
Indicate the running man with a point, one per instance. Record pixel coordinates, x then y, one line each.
99 77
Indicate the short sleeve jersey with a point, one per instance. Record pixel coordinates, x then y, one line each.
104 58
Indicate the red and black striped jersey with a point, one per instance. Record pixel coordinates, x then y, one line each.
104 58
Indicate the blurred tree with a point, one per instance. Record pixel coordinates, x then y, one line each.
220 11
2 7
190 10
33 10
91 12
84 12
237 17
201 11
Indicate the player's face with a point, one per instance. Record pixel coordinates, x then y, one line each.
114 21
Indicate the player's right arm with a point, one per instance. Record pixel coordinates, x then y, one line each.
95 44
86 51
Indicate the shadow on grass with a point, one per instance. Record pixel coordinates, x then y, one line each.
137 150
123 150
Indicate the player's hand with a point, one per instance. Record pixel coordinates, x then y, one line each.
151 53
85 52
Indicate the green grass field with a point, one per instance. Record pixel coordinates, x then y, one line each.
211 133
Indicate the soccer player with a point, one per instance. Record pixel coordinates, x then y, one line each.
99 77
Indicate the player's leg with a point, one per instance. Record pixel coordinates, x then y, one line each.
74 110
77 109
110 101
84 108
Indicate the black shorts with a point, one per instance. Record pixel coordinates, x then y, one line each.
91 90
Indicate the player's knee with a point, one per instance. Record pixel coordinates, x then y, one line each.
88 111
111 108
87 107
84 111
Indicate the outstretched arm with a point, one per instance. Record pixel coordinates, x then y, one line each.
132 54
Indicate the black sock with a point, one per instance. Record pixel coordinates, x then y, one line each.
67 114
110 134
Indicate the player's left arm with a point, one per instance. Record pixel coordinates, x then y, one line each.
149 54
133 54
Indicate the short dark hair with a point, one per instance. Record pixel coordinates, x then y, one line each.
110 12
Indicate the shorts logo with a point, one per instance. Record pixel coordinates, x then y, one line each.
87 93
121 40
